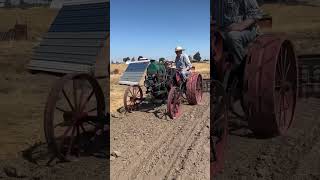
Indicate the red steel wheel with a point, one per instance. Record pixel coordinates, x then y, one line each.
194 89
132 98
71 118
219 127
270 85
174 103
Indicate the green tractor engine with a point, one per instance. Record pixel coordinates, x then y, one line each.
156 79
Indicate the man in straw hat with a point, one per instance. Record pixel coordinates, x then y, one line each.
182 62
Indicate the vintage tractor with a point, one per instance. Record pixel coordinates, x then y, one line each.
262 91
161 81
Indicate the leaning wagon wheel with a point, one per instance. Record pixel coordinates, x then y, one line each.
174 103
219 127
74 115
194 89
132 98
270 85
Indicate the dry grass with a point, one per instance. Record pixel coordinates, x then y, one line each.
38 20
117 91
297 18
301 23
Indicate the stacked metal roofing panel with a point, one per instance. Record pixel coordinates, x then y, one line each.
134 73
75 39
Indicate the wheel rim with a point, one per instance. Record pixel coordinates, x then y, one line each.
285 86
71 115
199 92
133 98
174 104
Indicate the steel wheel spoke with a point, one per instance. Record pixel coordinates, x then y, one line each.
93 109
68 100
288 68
61 110
87 100
58 125
83 129
81 97
91 123
75 95
71 141
64 136
131 92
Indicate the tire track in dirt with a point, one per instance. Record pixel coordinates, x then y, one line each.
284 157
181 164
139 160
162 152
167 153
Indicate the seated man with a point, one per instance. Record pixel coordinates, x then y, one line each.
239 27
182 62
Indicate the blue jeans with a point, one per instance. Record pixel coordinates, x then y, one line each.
185 74
237 42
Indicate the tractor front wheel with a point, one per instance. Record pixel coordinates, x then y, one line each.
174 103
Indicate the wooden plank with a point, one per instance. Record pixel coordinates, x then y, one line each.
67 50
73 42
56 70
59 65
75 35
77 2
77 20
84 13
79 27
59 56
76 7
47 57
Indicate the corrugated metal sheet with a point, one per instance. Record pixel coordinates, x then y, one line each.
74 40
134 73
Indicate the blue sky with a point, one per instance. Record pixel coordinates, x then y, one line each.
153 28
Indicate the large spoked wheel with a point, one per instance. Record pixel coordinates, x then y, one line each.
194 89
219 127
285 88
270 85
174 103
74 116
132 98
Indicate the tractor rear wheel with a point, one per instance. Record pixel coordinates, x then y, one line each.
270 85
194 89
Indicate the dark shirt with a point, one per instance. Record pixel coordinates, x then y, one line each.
236 11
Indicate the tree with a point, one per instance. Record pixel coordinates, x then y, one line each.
197 56
133 59
126 59
161 59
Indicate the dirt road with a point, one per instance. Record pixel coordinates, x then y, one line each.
294 156
152 146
